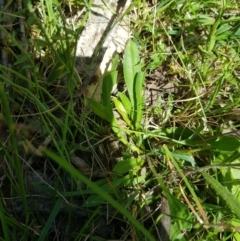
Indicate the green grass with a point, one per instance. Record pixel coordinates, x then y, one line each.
175 147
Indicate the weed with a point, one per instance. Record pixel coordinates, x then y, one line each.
156 157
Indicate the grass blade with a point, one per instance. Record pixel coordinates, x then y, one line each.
195 197
4 222
98 190
227 196
51 219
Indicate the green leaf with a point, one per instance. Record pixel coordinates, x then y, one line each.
236 223
223 192
62 162
92 201
201 19
22 59
98 109
125 166
223 31
225 143
122 137
189 158
122 111
131 65
231 178
58 71
115 62
113 188
126 102
40 43
185 179
177 209
139 100
4 223
51 219
109 80
234 156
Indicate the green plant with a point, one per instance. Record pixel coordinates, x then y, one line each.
101 193
130 106
175 148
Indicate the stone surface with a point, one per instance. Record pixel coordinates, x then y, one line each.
106 33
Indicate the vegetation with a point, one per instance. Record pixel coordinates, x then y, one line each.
156 159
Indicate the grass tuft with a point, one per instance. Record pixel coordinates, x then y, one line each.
156 158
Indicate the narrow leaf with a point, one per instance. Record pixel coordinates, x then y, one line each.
109 80
131 65
125 166
4 223
234 156
121 135
115 62
223 192
126 102
98 190
139 100
92 201
225 143
122 111
51 219
169 156
98 109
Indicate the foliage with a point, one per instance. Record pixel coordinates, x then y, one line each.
182 145
129 107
